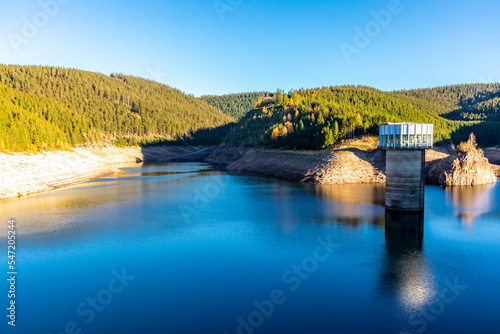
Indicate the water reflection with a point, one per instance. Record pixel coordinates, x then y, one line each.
75 208
285 211
471 202
353 193
351 204
406 274
230 254
404 231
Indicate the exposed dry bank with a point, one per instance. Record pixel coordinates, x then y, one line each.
351 164
355 162
327 166
25 174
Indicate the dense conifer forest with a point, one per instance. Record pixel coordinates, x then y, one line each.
316 118
462 102
57 108
235 105
51 108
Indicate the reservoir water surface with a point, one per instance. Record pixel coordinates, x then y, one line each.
186 248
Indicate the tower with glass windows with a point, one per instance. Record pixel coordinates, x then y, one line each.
405 145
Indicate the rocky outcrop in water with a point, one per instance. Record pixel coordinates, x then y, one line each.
463 169
493 155
471 168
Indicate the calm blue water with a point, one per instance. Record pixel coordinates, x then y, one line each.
183 248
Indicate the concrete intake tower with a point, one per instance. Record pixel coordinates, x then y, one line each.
405 145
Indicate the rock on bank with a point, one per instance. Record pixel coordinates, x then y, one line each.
329 166
352 165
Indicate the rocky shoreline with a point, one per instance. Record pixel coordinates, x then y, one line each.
352 165
25 174
327 166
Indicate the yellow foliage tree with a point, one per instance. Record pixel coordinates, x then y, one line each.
276 133
283 130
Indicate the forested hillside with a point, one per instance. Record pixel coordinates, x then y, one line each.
461 102
235 105
46 107
316 118
50 108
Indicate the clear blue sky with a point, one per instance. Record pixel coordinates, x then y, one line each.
261 45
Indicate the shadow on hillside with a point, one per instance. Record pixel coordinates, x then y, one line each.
204 137
195 147
454 115
374 157
487 133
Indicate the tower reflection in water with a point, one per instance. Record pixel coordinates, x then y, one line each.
406 274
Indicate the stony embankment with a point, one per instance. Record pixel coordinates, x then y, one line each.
351 165
493 155
25 174
329 166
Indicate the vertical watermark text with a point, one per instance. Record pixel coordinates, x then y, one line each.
11 272
202 197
